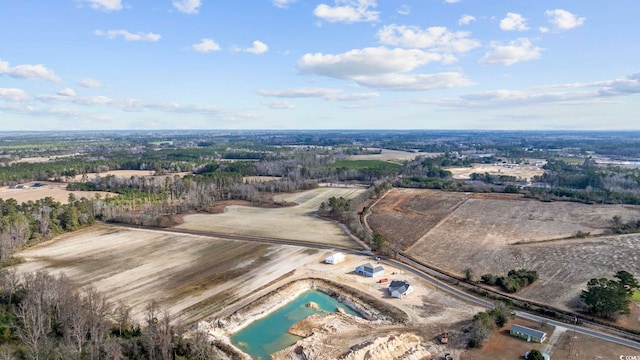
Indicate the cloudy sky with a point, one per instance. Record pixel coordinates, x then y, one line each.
319 64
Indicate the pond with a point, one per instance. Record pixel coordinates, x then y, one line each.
268 335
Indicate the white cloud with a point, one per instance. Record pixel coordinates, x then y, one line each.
187 6
414 82
404 10
205 46
622 86
91 83
13 94
348 11
324 93
66 92
383 68
279 105
31 72
466 19
80 100
258 48
564 20
104 5
128 36
511 53
451 1
283 4
514 22
577 95
368 61
439 38
543 29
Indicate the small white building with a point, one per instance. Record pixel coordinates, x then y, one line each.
400 288
335 258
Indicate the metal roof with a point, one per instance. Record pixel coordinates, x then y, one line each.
528 331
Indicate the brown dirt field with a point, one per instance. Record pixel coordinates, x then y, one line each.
581 346
42 159
390 155
53 189
192 276
523 172
293 222
495 235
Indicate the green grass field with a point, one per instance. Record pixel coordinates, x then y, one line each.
636 296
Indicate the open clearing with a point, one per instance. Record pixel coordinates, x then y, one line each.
293 223
523 172
55 190
125 174
494 233
190 275
390 155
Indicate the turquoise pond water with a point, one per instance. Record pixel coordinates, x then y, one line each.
268 335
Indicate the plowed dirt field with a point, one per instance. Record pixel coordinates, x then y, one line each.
494 233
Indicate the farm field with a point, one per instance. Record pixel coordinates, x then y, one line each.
55 190
294 222
191 276
496 233
523 172
390 155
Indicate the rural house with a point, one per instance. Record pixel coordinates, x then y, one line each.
335 258
370 271
527 333
400 288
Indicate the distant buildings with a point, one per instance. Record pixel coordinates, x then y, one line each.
335 258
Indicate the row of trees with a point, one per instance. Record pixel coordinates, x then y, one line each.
47 317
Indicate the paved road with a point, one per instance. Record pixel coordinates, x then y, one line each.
422 273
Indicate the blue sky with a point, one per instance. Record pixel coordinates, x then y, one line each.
320 64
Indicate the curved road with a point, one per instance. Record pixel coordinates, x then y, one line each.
422 274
